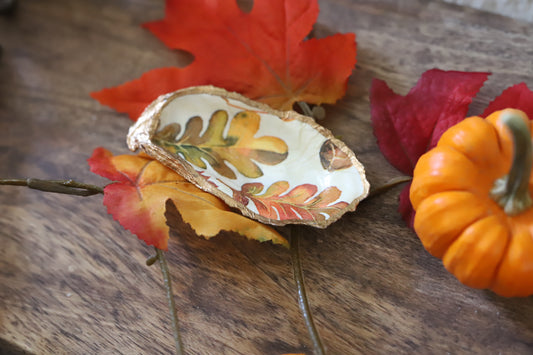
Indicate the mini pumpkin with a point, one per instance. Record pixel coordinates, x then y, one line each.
472 198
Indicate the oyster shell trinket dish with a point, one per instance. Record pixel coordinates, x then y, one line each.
278 167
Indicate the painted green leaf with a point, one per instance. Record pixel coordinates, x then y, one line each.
239 147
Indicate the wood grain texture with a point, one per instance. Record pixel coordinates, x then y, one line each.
72 281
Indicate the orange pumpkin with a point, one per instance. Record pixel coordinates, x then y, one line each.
472 197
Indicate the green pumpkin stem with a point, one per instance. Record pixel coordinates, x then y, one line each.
511 191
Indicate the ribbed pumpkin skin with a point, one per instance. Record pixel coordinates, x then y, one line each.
457 220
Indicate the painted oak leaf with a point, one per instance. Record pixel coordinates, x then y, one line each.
137 198
262 54
408 126
301 202
238 147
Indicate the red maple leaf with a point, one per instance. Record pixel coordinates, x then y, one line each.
518 96
261 54
408 126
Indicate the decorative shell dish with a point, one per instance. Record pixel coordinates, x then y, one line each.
276 167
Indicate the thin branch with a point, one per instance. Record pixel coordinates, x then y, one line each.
68 187
389 185
170 298
300 286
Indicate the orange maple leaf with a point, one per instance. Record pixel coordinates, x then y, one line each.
261 54
141 187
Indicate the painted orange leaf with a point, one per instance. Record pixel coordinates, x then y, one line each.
141 187
278 202
261 54
239 148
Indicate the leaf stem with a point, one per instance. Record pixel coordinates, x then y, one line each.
305 108
317 112
67 187
300 287
170 298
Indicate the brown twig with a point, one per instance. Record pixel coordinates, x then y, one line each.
170 297
68 187
389 185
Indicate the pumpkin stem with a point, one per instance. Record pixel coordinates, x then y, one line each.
511 191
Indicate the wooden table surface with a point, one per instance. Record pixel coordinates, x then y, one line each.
73 281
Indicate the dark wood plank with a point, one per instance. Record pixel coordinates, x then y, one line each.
73 281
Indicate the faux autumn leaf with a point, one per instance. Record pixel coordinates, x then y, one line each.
408 126
261 54
518 96
141 187
238 146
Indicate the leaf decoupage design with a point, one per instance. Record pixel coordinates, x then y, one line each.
332 158
278 201
277 167
239 147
